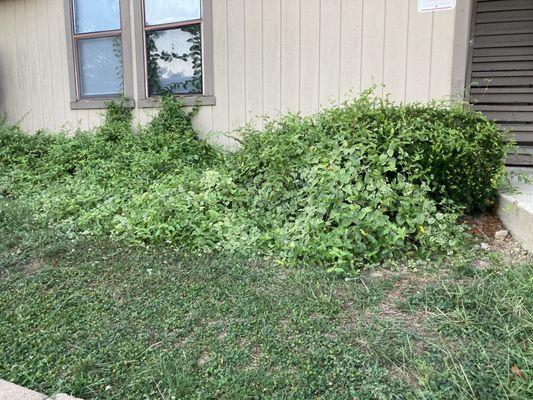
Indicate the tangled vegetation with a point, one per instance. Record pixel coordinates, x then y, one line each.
357 184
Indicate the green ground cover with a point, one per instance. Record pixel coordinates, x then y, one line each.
101 320
325 259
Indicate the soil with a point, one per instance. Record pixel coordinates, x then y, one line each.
484 228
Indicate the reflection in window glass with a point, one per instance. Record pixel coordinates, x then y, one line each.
165 12
174 61
96 15
100 64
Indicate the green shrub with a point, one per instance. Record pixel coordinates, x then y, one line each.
353 185
461 153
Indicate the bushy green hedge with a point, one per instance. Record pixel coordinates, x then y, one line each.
352 185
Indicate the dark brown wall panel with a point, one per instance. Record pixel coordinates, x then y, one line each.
501 69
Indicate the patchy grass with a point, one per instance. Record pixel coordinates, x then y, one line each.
99 320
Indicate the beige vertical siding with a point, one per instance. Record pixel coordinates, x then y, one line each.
270 56
397 15
351 25
373 28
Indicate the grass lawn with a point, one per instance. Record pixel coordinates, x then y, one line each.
99 320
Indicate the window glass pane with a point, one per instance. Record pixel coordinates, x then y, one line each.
174 61
164 11
100 65
96 15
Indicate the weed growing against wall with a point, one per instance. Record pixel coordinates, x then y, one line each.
357 184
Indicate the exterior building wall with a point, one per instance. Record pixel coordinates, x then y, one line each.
270 56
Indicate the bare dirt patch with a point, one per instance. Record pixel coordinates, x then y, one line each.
204 359
254 360
388 310
32 266
484 228
407 285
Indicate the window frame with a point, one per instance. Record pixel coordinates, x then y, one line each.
206 31
77 102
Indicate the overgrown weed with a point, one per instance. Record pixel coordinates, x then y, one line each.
352 186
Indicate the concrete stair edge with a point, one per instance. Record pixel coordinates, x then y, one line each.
516 210
10 391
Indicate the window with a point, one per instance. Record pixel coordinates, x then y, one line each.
173 51
176 54
98 64
174 61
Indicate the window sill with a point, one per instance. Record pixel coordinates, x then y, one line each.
153 102
96 104
187 101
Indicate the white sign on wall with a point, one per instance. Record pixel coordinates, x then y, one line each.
435 5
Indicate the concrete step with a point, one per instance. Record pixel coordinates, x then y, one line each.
515 209
10 391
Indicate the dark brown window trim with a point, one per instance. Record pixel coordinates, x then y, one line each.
208 97
76 102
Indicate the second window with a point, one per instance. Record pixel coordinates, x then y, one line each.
173 47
